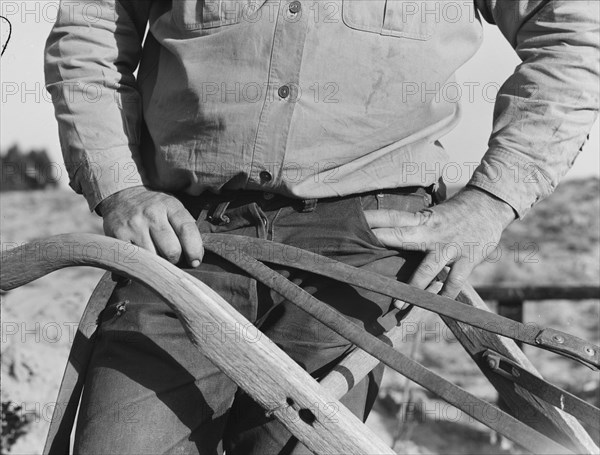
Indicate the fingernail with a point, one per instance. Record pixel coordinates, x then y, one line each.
400 305
195 263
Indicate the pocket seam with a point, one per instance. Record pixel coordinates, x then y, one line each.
201 25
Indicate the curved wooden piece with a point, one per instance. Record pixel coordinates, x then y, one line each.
240 350
356 365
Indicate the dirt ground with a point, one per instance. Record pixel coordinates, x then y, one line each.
557 243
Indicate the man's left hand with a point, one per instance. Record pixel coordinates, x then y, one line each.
460 232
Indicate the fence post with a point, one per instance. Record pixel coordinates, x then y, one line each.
512 309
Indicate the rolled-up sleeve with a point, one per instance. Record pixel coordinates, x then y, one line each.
90 59
545 110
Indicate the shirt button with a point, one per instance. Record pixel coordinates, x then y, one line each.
265 176
295 7
284 91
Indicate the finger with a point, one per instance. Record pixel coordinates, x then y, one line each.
166 242
135 238
142 239
391 218
435 287
189 236
413 238
427 270
457 278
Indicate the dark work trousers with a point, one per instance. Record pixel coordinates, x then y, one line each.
150 391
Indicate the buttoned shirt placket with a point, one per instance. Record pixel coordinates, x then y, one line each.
282 92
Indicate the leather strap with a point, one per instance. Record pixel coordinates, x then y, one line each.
471 405
278 253
63 417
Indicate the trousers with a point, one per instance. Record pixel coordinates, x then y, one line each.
148 390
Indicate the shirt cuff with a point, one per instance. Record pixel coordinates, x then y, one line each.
513 178
105 176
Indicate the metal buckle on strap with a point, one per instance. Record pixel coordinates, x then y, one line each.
541 388
502 365
308 205
569 346
218 216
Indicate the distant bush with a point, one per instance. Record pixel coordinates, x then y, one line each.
31 170
14 424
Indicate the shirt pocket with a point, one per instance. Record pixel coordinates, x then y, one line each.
413 19
207 14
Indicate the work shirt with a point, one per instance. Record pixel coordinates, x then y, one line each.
313 99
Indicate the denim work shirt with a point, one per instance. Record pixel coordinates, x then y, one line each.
313 99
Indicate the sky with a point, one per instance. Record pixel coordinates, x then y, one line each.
27 116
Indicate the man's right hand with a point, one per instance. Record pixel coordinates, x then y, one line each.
155 221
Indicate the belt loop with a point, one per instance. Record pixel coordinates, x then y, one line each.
202 216
379 197
308 205
438 192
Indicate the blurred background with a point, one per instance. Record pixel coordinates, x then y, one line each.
558 243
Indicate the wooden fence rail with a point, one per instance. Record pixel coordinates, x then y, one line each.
511 299
520 294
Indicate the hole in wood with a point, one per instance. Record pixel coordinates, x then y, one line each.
307 416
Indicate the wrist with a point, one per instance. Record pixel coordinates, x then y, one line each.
491 203
104 205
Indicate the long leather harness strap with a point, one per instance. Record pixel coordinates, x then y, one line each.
59 434
475 407
289 256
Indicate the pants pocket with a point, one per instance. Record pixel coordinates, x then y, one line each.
391 200
368 202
